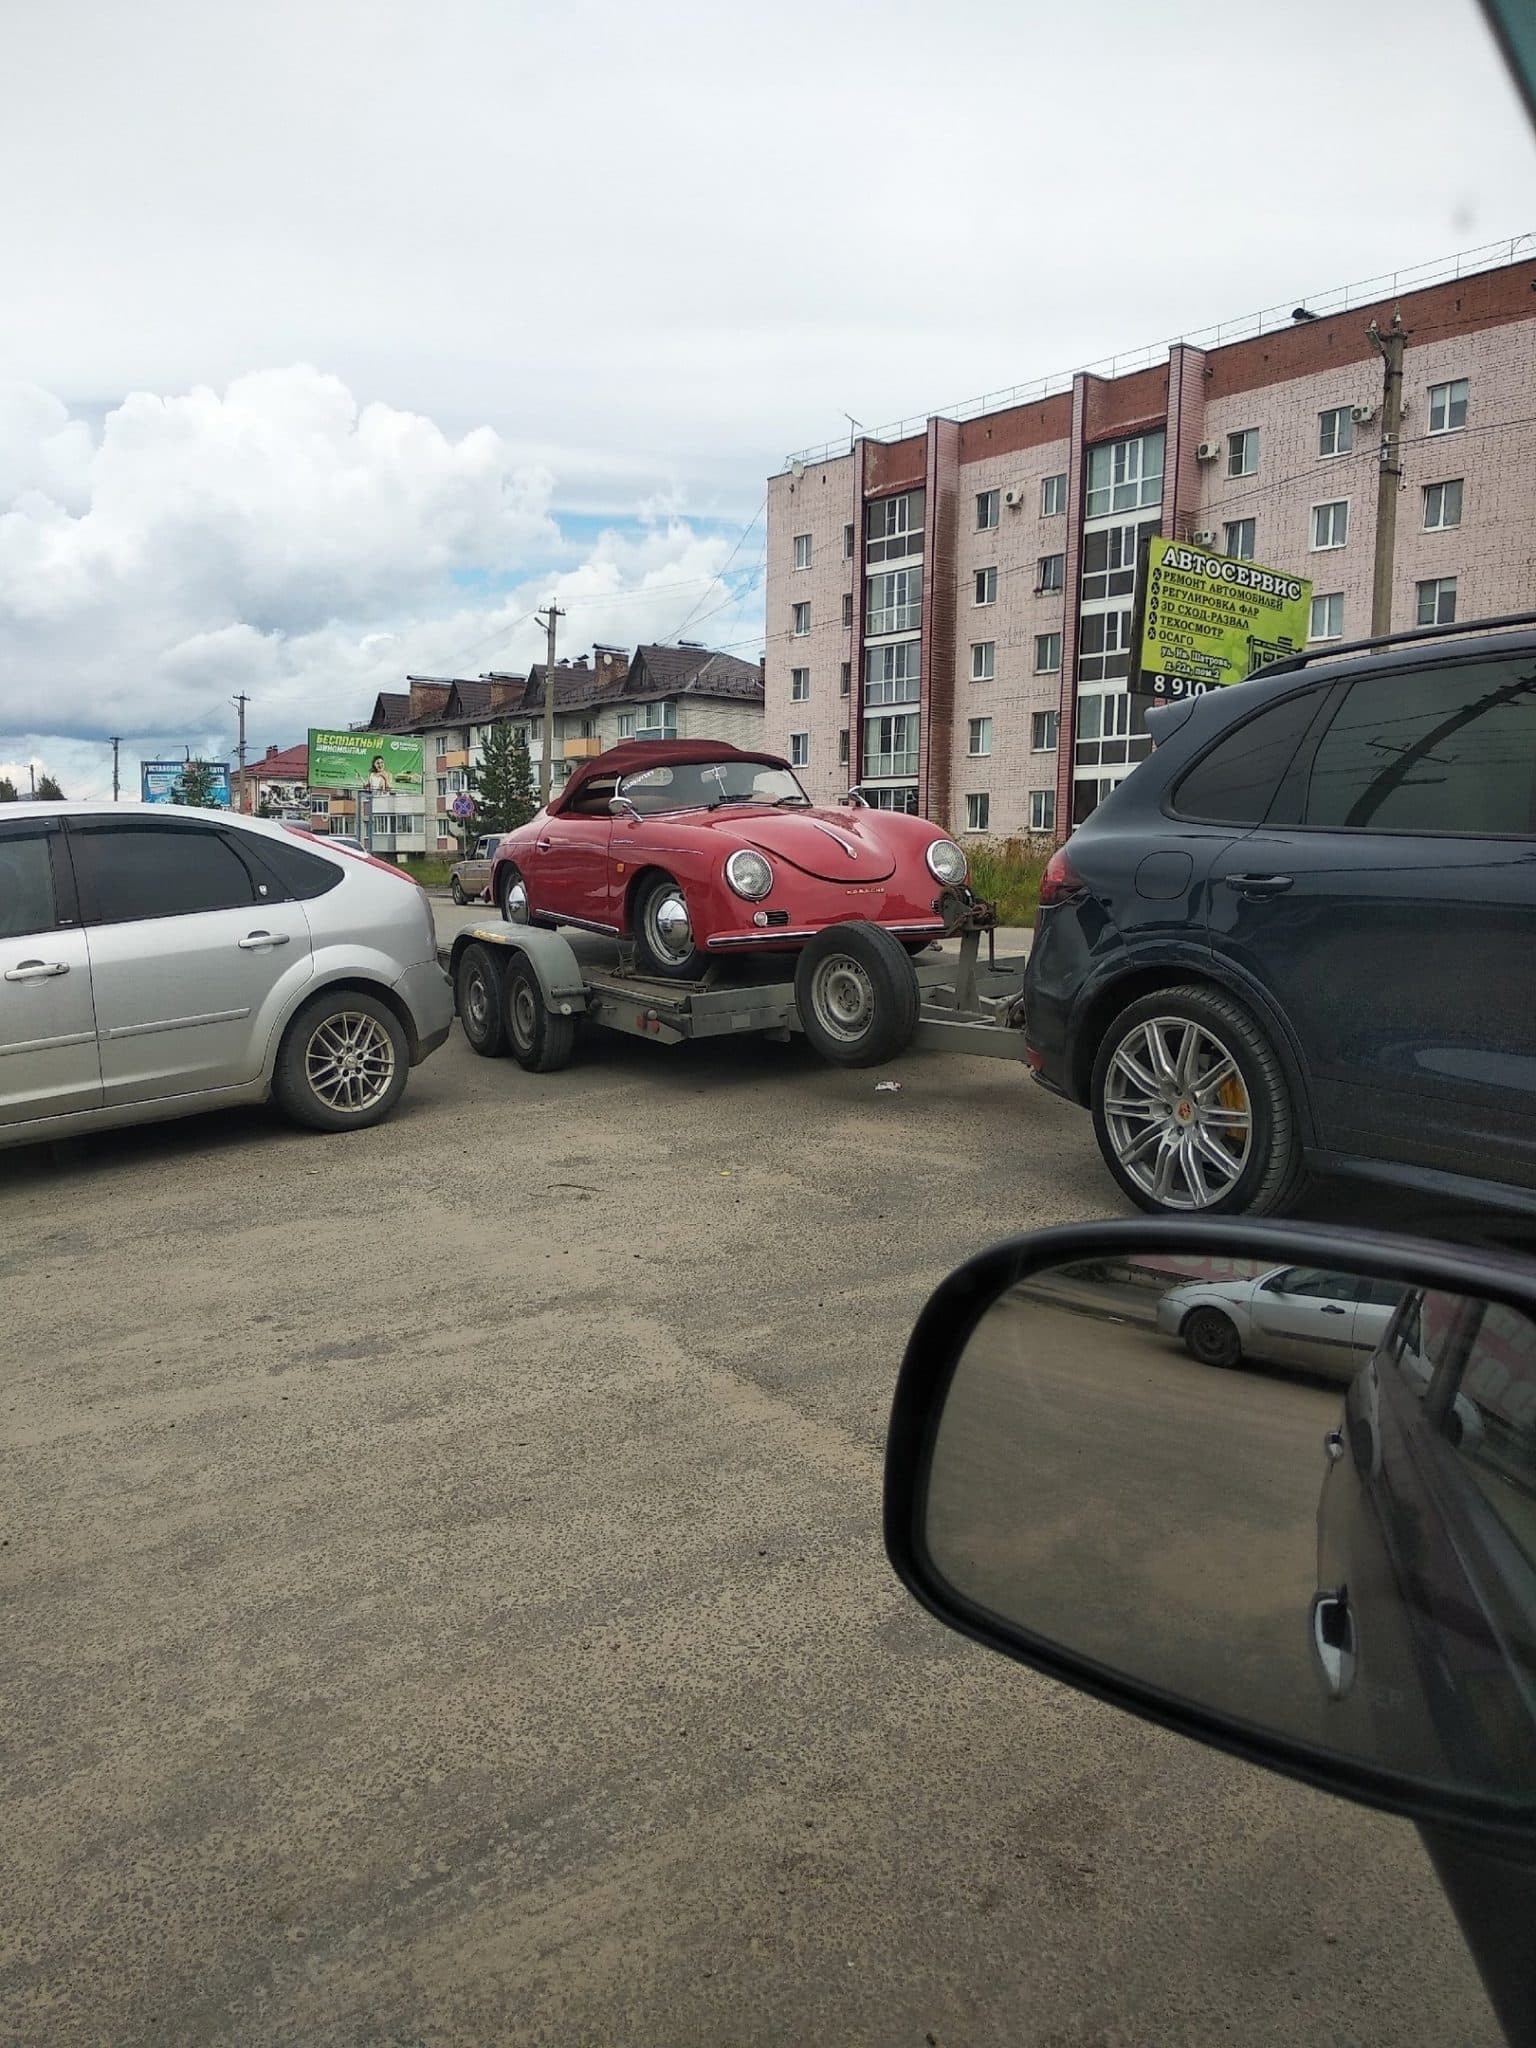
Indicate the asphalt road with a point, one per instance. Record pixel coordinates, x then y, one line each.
443 1602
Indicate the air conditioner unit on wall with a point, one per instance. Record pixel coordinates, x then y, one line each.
1362 415
1013 495
1204 537
1208 451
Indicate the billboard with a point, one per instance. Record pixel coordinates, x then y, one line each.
164 782
1205 620
387 764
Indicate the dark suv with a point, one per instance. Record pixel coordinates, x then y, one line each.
1302 933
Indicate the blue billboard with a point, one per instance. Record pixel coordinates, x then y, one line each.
165 782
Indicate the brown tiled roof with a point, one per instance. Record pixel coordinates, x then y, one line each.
390 708
468 703
693 672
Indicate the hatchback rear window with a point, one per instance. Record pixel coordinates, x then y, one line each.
1236 781
302 874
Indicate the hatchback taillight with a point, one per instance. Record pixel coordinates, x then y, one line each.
1061 881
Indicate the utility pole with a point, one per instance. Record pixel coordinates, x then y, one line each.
547 619
1389 477
240 703
32 777
117 741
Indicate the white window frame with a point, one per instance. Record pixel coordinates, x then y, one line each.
900 763
845 679
1445 396
802 620
1442 524
983 661
901 669
1438 585
1249 438
1056 564
627 725
1335 528
799 750
850 535
1234 527
986 586
987 508
1051 725
1343 425
1041 800
799 685
802 551
978 810
842 748
848 608
900 613
979 739
1119 479
1051 642
1053 495
1326 597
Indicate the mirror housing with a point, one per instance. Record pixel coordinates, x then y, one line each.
969 1525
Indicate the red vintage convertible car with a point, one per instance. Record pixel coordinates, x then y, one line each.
693 848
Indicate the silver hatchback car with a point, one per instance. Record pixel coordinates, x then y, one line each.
157 961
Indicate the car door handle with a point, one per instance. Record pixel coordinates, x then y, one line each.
1331 1308
541 846
261 942
1260 885
36 970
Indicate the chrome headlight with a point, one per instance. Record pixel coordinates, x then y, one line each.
946 863
750 875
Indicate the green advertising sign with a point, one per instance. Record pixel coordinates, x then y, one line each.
385 763
1207 620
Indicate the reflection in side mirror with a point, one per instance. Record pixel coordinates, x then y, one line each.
1300 1517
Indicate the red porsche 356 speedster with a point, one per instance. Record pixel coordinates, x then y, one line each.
693 849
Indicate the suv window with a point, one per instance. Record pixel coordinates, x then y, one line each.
1444 749
1236 781
26 883
139 868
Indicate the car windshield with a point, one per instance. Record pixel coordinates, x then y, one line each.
706 785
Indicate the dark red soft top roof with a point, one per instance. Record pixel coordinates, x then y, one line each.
629 755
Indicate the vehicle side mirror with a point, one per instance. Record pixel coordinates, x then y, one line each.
856 798
1284 1541
621 807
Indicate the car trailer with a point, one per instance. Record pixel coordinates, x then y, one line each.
853 990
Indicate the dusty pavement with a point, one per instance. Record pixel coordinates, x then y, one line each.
443 1603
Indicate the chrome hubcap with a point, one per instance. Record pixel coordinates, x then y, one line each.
350 1061
515 903
843 997
524 1015
670 931
477 1001
1177 1113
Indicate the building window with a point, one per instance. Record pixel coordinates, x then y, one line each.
847 607
894 601
1335 431
1044 728
799 750
1125 475
845 679
656 722
1109 559
983 660
1437 601
978 811
802 551
799 685
890 745
986 510
443 744
848 542
892 673
980 736
1042 810
1051 573
900 797
986 586
442 790
1442 505
1053 494
802 620
1047 654
842 748
1243 452
1111 729
1327 621
893 527
1238 539
626 725
1448 406
1103 646
1330 525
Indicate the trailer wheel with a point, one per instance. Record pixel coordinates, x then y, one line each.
540 1041
857 995
477 993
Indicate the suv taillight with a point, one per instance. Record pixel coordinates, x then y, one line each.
1061 881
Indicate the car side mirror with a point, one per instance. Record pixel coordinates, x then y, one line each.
1286 1543
621 807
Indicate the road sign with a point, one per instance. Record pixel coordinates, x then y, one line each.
463 806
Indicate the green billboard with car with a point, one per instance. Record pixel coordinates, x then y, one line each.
385 764
1205 620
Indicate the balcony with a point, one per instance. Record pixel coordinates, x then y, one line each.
578 750
893 618
878 766
459 758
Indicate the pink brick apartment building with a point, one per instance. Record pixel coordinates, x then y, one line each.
949 609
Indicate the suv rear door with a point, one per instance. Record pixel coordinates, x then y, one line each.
48 1063
1388 907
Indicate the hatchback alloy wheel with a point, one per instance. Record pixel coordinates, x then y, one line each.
1177 1113
350 1062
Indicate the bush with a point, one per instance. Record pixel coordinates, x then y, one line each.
1007 872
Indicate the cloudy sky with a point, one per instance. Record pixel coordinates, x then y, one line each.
337 336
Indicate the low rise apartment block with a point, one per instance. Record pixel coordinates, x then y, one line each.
949 604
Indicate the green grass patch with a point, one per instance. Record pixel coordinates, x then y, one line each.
430 869
1007 872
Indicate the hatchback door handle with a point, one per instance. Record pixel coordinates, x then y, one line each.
259 942
541 845
36 970
1260 885
1331 1308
